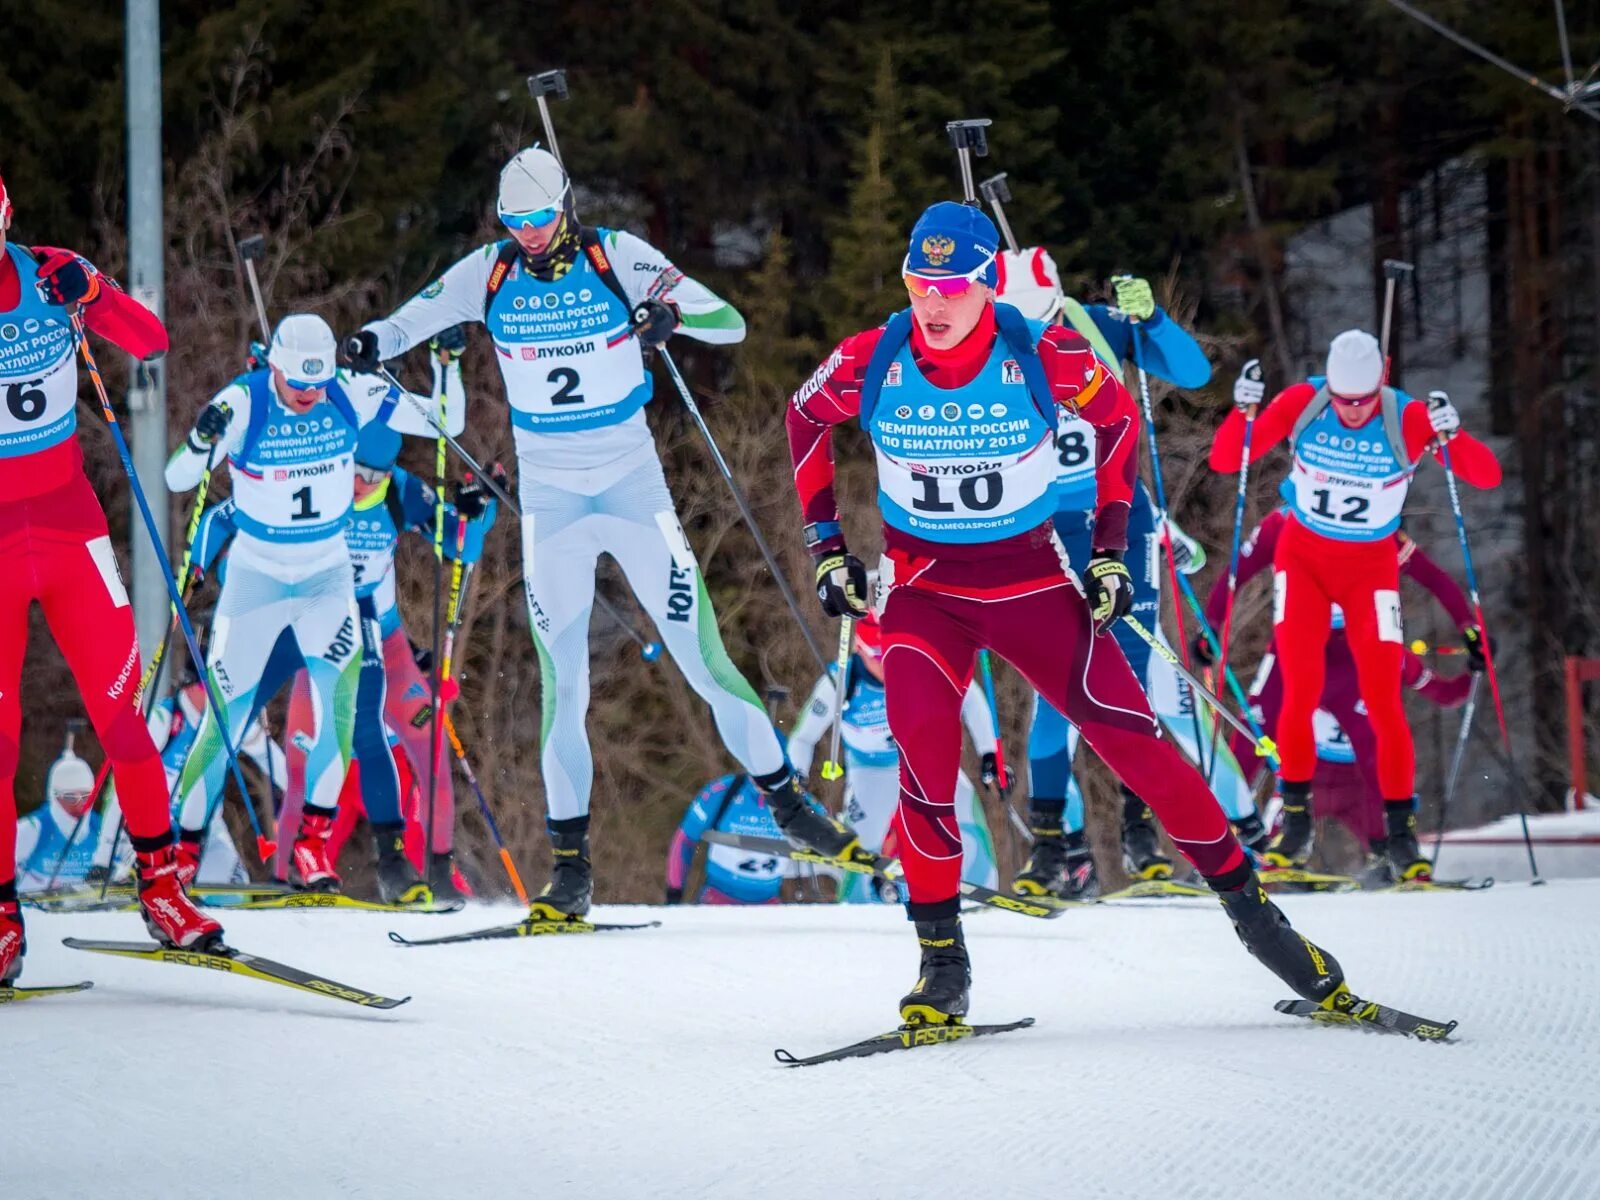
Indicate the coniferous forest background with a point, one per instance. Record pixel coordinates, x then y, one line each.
779 152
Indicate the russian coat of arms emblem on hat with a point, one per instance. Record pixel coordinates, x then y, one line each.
937 249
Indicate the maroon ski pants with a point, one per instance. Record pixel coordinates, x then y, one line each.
1027 607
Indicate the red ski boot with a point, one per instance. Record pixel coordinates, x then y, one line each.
169 915
310 869
188 857
13 942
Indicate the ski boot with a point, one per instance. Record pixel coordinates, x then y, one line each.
1376 872
1311 971
571 888
941 994
398 881
806 827
188 855
1083 881
1060 865
1047 869
1292 846
310 869
1404 855
13 938
442 878
1141 844
169 914
1253 834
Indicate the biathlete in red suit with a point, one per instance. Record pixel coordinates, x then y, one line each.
57 550
1341 695
1356 444
959 396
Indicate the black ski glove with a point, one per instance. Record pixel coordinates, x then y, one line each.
1109 588
451 341
211 425
361 352
989 775
1478 649
472 496
1200 648
842 584
655 320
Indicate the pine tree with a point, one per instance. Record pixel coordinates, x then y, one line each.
868 241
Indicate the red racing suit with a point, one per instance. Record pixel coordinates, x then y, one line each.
1313 571
1016 595
57 547
1341 697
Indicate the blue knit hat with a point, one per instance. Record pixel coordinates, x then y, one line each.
953 239
377 447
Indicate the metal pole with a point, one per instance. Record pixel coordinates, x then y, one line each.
147 395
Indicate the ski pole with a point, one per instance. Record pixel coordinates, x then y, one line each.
778 576
459 578
1393 271
264 845
440 671
250 251
1467 714
1265 747
1002 789
1488 653
483 806
1235 688
1253 372
969 140
554 83
997 192
832 769
649 648
1166 524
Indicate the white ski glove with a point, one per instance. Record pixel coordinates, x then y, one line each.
1443 416
1250 389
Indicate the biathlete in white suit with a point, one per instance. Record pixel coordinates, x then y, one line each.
288 431
872 761
568 309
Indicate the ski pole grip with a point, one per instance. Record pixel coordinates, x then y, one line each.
548 83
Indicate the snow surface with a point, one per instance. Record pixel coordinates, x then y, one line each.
1565 845
640 1064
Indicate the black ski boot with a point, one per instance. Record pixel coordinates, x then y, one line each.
1404 855
1141 844
1047 869
1307 968
1292 846
1253 833
442 878
1083 881
398 881
571 888
804 825
940 997
1376 871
